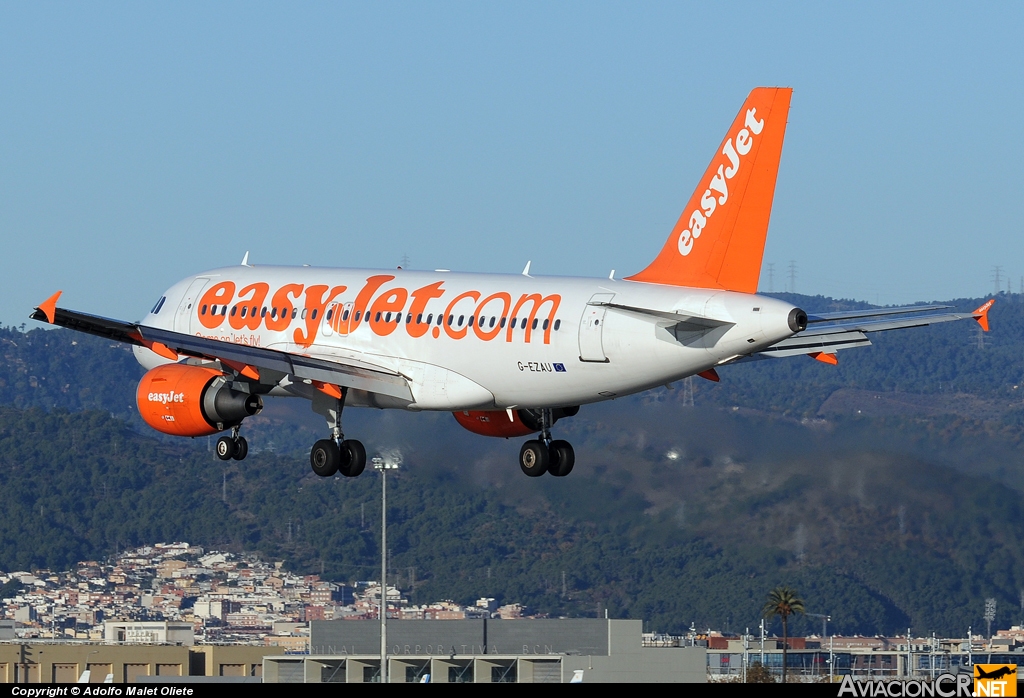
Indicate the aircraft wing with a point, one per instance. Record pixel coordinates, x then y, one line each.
822 340
246 360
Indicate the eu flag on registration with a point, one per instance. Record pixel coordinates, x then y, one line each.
559 368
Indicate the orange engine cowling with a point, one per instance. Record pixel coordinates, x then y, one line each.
495 423
192 401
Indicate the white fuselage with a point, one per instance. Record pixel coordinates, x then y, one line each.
572 350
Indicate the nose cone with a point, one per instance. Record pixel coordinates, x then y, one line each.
797 320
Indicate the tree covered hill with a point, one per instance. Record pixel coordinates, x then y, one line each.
674 515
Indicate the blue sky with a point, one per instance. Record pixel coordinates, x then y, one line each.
143 142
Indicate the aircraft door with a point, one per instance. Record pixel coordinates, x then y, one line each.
187 314
592 327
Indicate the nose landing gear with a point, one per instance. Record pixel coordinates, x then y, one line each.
538 456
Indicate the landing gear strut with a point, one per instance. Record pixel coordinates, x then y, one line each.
233 446
336 454
538 456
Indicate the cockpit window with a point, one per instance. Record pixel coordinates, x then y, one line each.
159 304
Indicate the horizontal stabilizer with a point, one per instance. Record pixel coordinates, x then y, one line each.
699 322
873 312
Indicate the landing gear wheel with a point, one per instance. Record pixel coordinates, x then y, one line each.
354 458
325 457
241 448
563 458
533 458
225 447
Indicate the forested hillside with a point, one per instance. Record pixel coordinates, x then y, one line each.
905 515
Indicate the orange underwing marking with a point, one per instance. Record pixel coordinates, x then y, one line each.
711 375
244 369
49 306
161 349
328 389
981 314
824 358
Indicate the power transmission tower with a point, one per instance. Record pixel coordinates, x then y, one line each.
403 263
771 278
688 391
792 276
990 615
997 277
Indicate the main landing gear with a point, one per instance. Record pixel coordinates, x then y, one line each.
336 454
233 446
542 455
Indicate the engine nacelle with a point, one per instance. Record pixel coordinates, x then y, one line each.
192 401
495 423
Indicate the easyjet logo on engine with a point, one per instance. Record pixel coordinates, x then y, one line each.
383 308
717 192
166 398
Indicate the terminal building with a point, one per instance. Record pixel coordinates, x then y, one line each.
487 651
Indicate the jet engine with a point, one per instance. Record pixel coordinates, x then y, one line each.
192 401
497 423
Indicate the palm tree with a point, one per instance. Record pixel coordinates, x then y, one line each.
783 601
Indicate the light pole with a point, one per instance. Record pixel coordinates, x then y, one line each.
384 466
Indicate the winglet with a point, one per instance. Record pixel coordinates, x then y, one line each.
245 259
981 314
49 306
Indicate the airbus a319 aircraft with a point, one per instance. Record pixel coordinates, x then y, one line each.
510 355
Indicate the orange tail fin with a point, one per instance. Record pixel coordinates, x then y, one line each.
718 242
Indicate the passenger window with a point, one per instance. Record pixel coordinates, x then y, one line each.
470 321
557 324
387 318
304 310
502 322
523 326
245 310
492 322
514 320
344 316
451 319
203 310
234 310
430 318
314 313
534 326
419 319
329 314
596 323
546 324
408 318
359 314
263 312
273 313
461 318
295 311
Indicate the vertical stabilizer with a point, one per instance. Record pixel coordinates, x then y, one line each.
718 241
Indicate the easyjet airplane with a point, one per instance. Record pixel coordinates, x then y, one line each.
509 355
